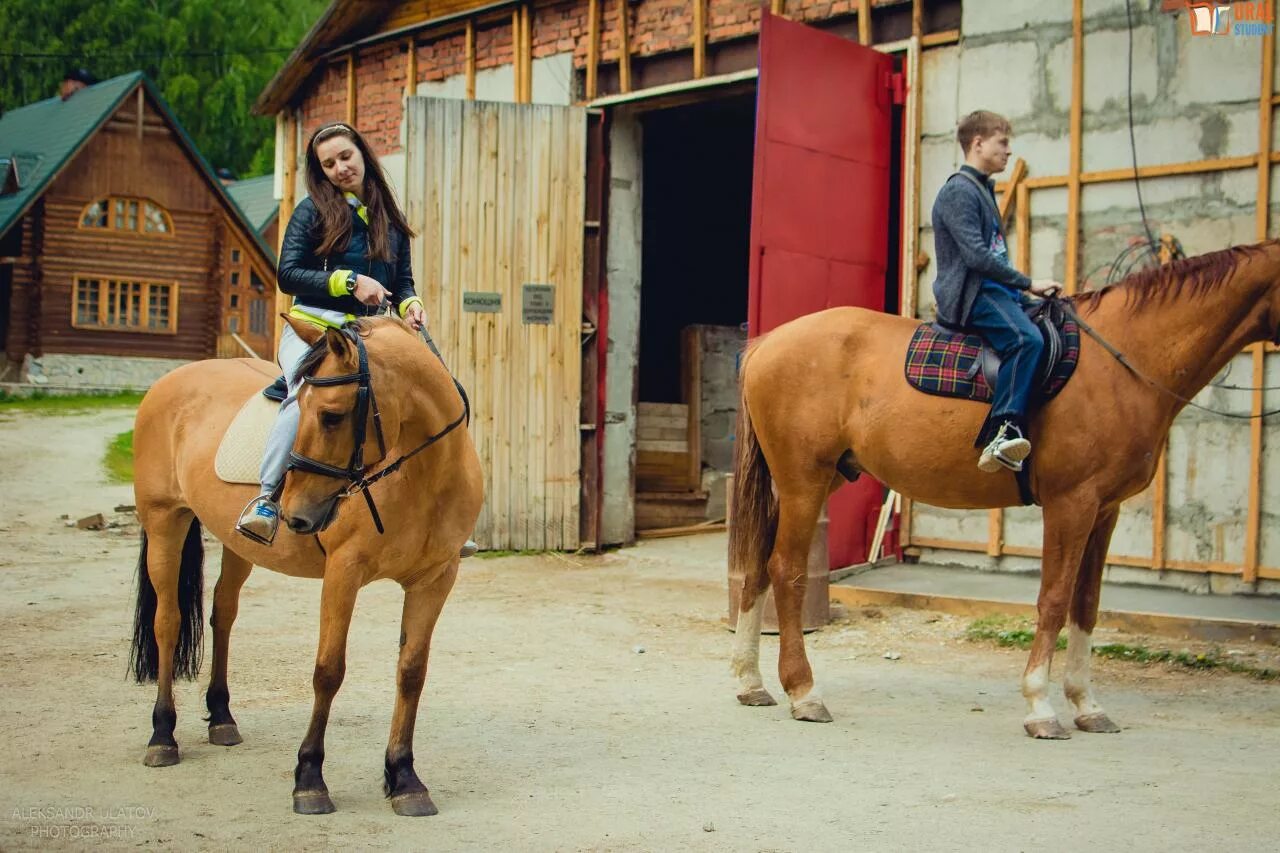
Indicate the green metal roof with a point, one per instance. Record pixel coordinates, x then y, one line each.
256 197
44 136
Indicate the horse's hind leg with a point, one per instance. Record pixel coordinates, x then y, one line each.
422 606
168 631
746 638
799 506
1084 617
226 603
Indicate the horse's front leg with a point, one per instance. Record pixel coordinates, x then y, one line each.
1084 617
422 606
1068 522
337 601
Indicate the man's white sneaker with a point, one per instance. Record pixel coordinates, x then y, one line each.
1007 450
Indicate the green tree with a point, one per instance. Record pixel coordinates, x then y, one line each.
210 59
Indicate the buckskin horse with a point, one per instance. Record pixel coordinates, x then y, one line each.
373 391
831 385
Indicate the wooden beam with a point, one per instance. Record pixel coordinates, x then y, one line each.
351 89
411 70
1022 210
470 59
288 199
864 22
624 45
1070 278
1159 510
1010 189
917 28
526 14
917 19
1266 105
517 66
699 38
778 7
939 39
593 47
141 105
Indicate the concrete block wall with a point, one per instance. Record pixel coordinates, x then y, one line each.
1193 99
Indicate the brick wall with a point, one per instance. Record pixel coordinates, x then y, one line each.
656 27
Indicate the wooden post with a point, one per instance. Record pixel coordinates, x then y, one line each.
593 47
864 23
1010 190
516 65
411 70
351 89
470 59
916 82
1073 178
624 46
526 33
778 7
699 38
1253 523
288 196
1159 512
141 104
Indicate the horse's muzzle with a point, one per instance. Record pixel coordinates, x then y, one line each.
313 519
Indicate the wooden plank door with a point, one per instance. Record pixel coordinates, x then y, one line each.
820 203
496 194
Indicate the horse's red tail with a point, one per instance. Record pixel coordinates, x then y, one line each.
755 511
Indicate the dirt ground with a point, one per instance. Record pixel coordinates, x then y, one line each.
577 703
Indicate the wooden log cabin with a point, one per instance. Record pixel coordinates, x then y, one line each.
121 254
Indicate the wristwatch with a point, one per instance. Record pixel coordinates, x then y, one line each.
351 282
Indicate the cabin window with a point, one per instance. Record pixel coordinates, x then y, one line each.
127 306
121 213
235 256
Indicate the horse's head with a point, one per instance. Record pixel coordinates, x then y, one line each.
348 417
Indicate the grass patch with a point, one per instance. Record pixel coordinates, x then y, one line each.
118 460
1006 631
55 404
1015 632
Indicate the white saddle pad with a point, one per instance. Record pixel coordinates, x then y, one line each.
240 453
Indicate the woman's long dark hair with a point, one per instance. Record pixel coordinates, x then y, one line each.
335 213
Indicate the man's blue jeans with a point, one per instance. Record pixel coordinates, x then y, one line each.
998 316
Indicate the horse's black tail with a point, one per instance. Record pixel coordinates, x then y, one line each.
755 511
144 658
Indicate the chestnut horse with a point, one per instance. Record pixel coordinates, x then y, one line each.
833 382
428 504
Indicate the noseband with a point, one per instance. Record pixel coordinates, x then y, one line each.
357 472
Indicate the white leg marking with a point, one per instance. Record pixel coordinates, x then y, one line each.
746 647
1035 687
1076 681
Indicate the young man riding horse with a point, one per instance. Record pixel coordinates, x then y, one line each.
978 291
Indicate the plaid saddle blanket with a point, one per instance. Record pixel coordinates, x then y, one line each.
949 364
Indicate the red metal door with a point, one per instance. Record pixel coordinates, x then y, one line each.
820 203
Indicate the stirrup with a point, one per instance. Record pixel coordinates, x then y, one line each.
259 520
1005 450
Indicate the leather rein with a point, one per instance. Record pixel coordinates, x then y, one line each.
1069 309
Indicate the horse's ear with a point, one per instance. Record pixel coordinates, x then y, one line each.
338 343
309 332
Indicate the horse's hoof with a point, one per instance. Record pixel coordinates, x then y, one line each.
225 734
312 802
161 755
756 698
1049 729
414 804
1098 723
810 711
